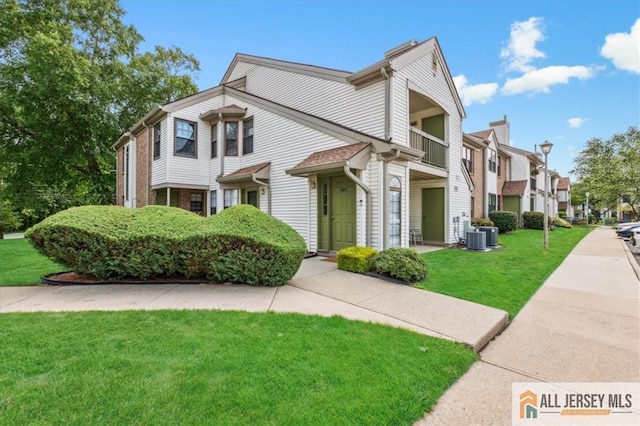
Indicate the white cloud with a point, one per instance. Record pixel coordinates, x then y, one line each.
576 122
521 47
540 81
623 49
476 93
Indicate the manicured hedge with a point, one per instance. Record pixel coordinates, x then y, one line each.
535 220
402 263
481 221
561 223
505 221
355 259
240 245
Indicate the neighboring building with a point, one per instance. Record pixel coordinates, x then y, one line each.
345 158
509 178
564 198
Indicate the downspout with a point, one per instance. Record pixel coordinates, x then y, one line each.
356 179
149 161
221 155
385 198
387 137
265 185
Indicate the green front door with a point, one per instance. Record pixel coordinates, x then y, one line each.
336 213
512 204
343 212
433 214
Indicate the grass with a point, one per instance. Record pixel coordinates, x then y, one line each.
21 264
208 367
505 278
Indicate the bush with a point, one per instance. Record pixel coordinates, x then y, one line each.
239 245
355 259
481 221
557 221
401 263
610 221
535 220
504 220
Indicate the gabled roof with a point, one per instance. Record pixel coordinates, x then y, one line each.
563 183
258 171
532 156
474 140
483 134
514 187
332 159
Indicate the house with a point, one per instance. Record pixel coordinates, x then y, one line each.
505 177
345 158
564 198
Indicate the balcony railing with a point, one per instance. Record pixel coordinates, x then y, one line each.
435 150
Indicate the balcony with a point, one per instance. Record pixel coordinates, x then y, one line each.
435 150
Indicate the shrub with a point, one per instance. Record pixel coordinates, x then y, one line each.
481 221
355 259
505 221
610 221
557 221
401 263
241 244
535 220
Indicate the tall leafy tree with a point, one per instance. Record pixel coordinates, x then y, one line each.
610 170
71 81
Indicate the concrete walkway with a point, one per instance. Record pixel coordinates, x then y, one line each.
318 288
583 325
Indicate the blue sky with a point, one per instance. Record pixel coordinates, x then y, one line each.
561 70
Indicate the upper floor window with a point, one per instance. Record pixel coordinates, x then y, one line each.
499 166
247 136
467 158
492 160
214 141
156 141
185 138
231 138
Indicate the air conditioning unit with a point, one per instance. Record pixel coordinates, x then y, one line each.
467 227
491 233
476 240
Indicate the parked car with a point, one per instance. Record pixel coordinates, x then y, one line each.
626 224
625 231
635 238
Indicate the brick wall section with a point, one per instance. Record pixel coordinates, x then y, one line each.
142 166
478 184
185 200
120 177
501 180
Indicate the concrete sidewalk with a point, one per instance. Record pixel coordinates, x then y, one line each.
583 325
318 288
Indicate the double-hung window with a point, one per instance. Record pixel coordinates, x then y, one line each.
493 201
156 141
196 202
247 136
467 158
492 160
231 138
214 141
213 203
230 197
185 138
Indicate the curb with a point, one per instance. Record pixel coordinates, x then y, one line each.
631 259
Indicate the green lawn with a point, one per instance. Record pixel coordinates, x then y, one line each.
208 367
21 264
505 278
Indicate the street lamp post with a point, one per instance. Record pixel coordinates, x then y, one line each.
587 209
546 149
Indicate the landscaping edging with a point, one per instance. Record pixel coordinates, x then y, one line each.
66 278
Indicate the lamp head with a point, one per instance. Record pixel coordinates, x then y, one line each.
546 147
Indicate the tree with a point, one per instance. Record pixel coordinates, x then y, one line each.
9 219
71 82
610 170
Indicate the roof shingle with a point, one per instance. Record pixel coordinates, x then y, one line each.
515 187
334 155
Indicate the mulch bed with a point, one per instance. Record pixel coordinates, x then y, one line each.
73 278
